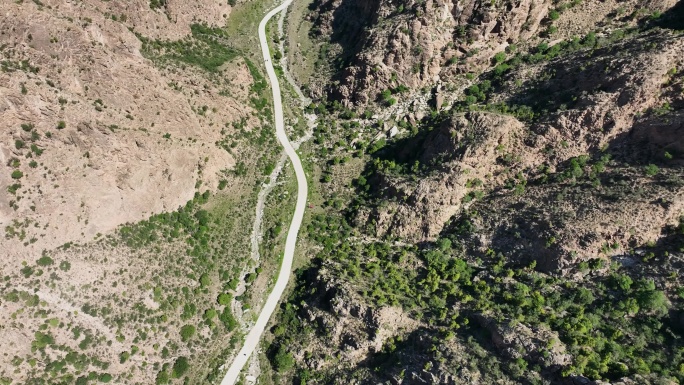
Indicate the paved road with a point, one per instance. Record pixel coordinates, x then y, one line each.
254 335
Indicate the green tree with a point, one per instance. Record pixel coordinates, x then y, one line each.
187 332
210 314
224 299
283 360
162 378
180 367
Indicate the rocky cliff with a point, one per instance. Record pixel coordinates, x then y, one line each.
620 107
388 44
524 226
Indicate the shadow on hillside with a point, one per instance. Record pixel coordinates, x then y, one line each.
570 81
673 18
348 23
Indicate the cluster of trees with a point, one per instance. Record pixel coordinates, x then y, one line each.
613 324
206 49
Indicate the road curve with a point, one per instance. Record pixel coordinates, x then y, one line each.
254 334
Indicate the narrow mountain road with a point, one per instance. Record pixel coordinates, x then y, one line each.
257 330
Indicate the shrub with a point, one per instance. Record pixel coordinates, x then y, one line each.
45 261
12 189
187 332
210 314
651 170
16 174
61 125
205 281
180 367
228 320
19 144
65 265
162 378
223 299
283 360
36 150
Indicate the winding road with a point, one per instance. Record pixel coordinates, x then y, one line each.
254 335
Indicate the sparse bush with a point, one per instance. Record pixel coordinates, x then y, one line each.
65 266
45 261
651 170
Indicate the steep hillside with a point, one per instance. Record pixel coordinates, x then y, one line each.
388 45
135 139
515 216
581 114
100 135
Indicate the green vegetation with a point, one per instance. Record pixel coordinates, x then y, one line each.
283 360
187 332
651 170
386 97
180 367
207 48
535 104
157 4
613 325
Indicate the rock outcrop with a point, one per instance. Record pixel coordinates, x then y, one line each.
385 44
625 107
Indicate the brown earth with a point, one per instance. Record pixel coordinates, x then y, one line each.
423 43
95 135
618 109
111 163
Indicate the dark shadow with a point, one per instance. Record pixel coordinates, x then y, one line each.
349 22
656 138
673 18
568 82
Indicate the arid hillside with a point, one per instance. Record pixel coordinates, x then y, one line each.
134 139
94 134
